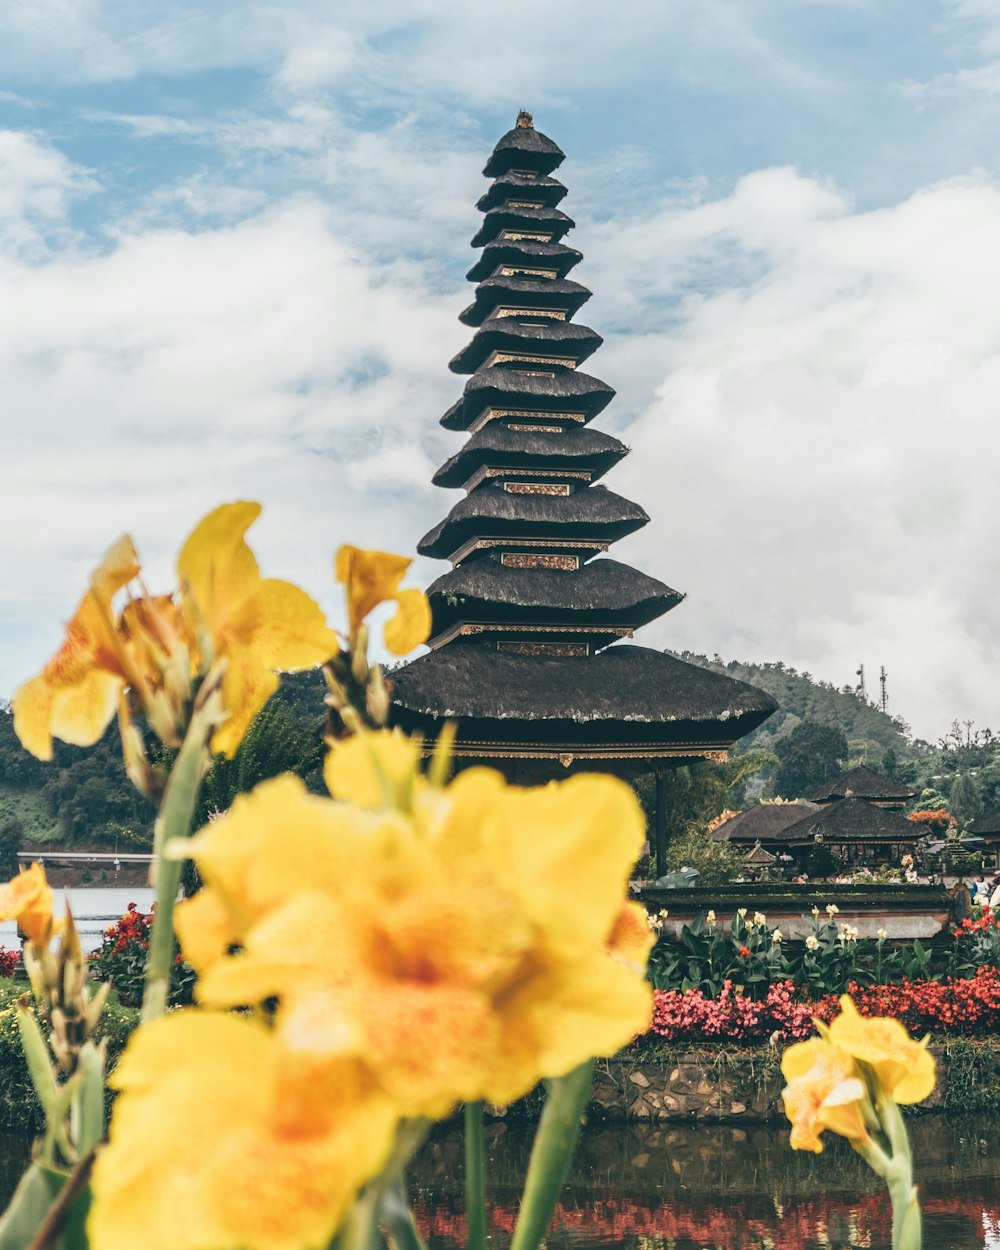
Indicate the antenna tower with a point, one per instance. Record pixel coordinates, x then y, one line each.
860 689
885 696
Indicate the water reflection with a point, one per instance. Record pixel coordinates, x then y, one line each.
724 1188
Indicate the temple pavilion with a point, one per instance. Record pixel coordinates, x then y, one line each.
531 653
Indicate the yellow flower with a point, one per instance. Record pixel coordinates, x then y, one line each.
461 951
824 1091
257 625
27 898
224 1136
75 695
157 646
374 769
905 1068
373 577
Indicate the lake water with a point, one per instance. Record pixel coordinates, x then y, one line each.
94 908
692 1188
724 1188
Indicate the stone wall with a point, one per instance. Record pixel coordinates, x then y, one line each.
707 1085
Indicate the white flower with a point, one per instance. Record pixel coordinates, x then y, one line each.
742 913
759 918
832 909
815 912
812 942
776 936
663 913
710 917
881 934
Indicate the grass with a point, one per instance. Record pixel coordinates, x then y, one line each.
31 809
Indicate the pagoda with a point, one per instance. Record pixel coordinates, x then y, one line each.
529 652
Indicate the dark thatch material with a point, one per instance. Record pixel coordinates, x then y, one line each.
602 592
569 390
548 191
593 512
852 820
505 334
863 783
524 293
540 220
988 825
524 148
556 256
764 822
626 692
498 446
758 857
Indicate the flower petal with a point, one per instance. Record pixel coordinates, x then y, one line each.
411 625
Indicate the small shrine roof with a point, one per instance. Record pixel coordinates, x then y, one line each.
554 339
853 820
593 512
524 293
498 387
497 444
758 857
514 187
610 592
763 822
862 783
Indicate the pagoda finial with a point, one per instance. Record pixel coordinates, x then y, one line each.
525 121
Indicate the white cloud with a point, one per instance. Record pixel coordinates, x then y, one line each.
816 439
37 185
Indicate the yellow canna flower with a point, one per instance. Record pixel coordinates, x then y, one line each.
905 1069
27 898
257 625
75 695
373 577
374 770
224 1136
460 951
824 1091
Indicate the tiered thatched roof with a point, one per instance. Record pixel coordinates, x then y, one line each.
863 783
527 653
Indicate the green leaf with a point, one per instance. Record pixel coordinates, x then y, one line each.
37 1191
36 1052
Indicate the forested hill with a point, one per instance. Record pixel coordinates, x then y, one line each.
801 698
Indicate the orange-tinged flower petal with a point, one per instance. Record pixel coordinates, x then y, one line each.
371 577
270 1171
27 898
824 1091
632 938
75 695
411 624
905 1068
373 770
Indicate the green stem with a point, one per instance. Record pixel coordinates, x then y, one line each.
397 1217
475 1177
906 1223
552 1154
174 821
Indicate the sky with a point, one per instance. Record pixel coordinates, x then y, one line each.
233 245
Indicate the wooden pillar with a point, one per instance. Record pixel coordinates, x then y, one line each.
661 823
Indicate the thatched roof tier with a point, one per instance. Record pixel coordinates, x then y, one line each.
523 394
632 695
988 825
594 513
529 221
764 822
603 591
758 857
524 148
863 783
497 445
852 820
543 343
539 260
547 191
549 294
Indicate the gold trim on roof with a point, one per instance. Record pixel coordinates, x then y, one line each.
498 357
486 472
552 544
463 630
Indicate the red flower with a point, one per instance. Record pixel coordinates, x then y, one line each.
744 952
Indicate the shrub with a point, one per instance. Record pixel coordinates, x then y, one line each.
121 960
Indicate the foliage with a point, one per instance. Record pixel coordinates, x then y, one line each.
965 799
121 960
716 862
810 755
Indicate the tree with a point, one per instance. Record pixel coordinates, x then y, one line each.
965 799
811 754
716 862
